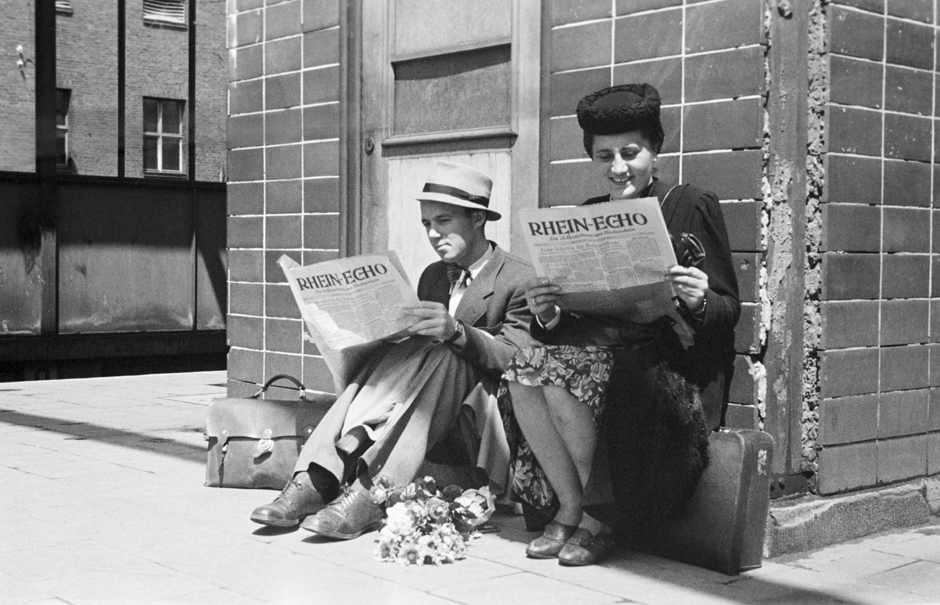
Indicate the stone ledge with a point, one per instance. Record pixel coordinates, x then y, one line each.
813 522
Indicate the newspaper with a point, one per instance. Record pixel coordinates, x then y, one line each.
610 259
350 306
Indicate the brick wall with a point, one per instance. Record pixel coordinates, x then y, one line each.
879 414
17 89
211 80
87 64
283 167
707 61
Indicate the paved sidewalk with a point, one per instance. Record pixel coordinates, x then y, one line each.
102 500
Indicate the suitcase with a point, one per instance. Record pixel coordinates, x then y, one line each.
255 443
722 526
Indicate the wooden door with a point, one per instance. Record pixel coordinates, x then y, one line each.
445 80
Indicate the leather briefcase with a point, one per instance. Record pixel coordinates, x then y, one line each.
722 526
254 443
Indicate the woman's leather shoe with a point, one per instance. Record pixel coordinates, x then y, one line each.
584 548
550 543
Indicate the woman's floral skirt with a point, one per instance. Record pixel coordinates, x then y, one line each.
583 372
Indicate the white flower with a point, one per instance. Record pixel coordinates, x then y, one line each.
399 521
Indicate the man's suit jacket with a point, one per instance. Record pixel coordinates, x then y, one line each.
493 310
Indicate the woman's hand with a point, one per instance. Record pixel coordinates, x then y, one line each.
690 283
542 295
431 319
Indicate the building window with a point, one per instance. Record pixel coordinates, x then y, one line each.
165 11
163 135
62 98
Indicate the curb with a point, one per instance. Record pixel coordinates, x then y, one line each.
812 522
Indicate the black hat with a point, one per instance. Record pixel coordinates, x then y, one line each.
620 109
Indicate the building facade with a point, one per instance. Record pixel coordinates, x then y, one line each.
112 194
814 121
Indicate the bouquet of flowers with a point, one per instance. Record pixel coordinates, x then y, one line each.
426 526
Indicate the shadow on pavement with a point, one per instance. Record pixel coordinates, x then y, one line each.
128 439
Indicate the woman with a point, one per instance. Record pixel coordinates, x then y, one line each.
617 413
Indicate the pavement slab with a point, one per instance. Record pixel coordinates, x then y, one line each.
102 501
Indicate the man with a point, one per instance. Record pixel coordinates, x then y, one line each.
409 396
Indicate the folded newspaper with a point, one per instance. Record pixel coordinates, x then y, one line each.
350 306
610 259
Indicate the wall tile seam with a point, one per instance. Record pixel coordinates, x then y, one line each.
287 353
580 23
282 38
910 21
241 348
695 54
584 160
322 29
679 56
855 9
262 112
311 141
923 70
290 72
683 105
282 145
248 46
652 11
676 155
881 110
245 81
846 154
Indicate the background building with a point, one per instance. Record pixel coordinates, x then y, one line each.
112 195
814 121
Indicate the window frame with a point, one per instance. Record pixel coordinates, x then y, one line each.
160 136
155 12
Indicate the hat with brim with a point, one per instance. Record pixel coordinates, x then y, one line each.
459 185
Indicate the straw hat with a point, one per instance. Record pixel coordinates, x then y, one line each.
460 185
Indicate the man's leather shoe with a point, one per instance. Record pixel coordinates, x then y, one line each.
584 548
347 517
296 501
550 543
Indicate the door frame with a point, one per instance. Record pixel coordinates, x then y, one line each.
366 57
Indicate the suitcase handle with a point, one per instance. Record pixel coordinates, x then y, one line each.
297 383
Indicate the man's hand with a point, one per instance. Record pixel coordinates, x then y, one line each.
431 319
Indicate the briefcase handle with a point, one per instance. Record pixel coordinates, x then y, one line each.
297 383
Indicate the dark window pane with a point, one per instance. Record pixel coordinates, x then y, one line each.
150 153
60 147
171 154
61 105
171 117
150 115
455 91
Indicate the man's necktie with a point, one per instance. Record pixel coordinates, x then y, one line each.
457 275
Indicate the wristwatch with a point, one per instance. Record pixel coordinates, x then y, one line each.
458 330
